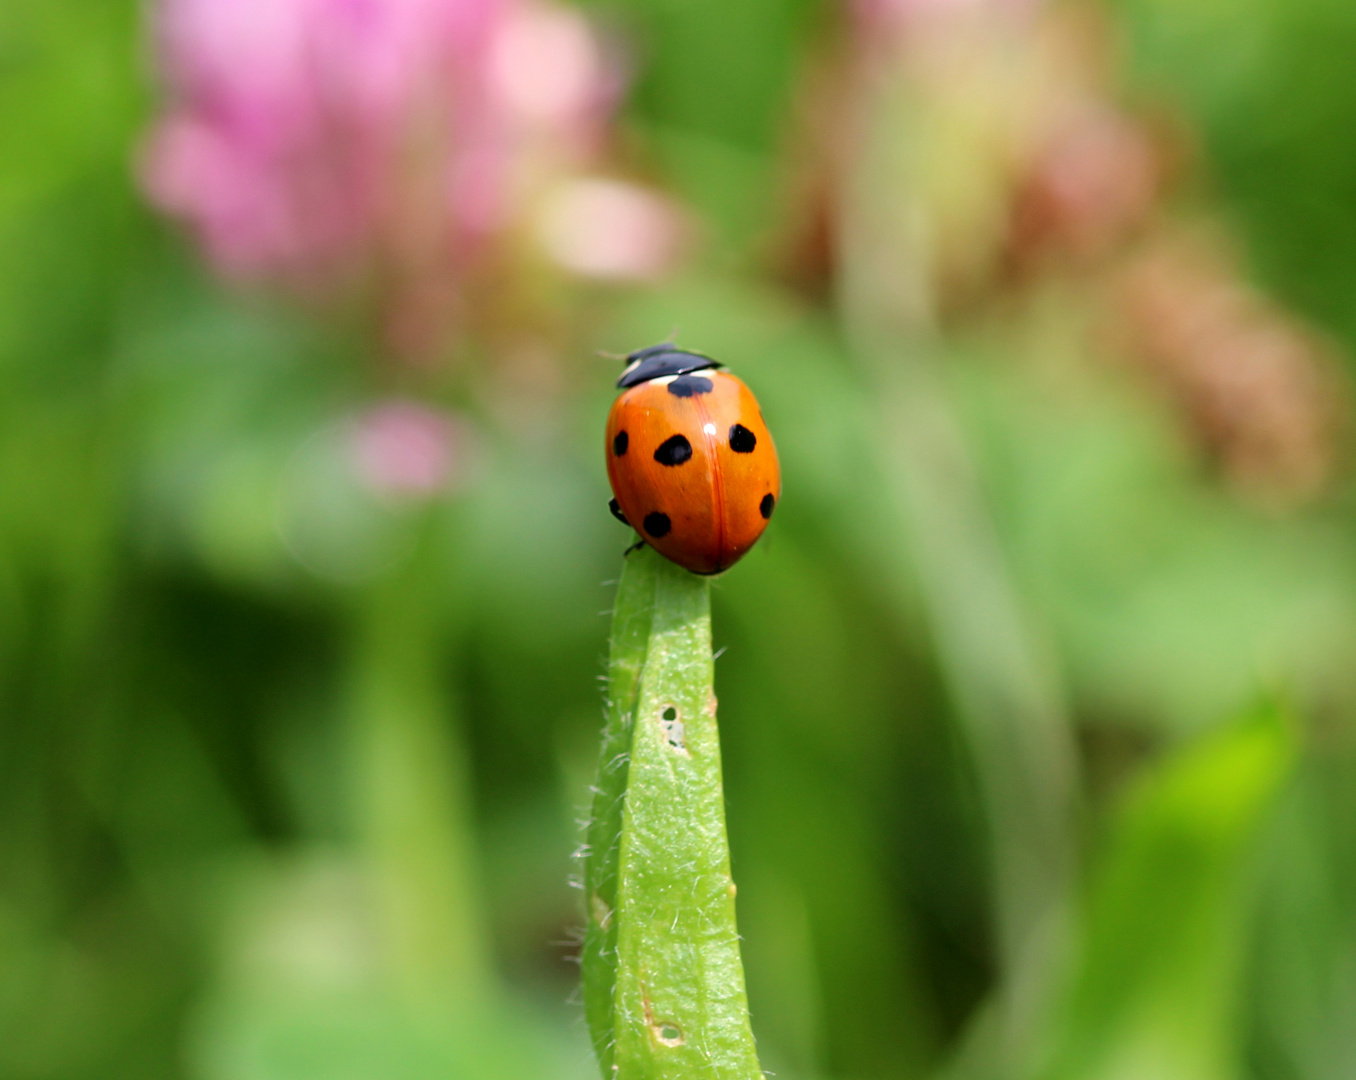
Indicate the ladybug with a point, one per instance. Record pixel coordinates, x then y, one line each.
691 462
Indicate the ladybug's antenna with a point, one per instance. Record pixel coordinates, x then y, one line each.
604 355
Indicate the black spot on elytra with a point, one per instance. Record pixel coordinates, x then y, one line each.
687 385
767 506
673 451
619 443
742 440
657 524
615 507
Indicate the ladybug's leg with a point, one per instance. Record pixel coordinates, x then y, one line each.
634 547
615 507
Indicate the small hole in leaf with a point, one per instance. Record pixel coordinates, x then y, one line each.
668 1034
674 731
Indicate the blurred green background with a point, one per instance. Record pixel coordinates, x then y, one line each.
1037 698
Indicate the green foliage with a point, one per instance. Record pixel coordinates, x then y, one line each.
663 982
714 101
1157 987
632 616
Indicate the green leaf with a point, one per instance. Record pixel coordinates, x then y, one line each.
663 981
631 619
1158 987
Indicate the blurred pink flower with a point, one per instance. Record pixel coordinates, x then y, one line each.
326 141
546 66
611 229
403 448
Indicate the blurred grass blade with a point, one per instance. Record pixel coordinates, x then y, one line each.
1005 686
413 795
1159 987
678 1008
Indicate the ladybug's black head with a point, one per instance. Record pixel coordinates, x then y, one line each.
660 360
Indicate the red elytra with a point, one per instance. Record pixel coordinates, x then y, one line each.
691 462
